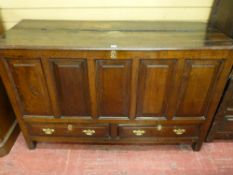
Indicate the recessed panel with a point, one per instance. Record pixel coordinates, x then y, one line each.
198 82
154 87
72 86
113 87
31 86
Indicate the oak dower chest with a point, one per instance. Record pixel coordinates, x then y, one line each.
114 82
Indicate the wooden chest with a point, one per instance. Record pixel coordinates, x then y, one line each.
114 82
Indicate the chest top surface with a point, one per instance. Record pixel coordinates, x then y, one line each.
101 35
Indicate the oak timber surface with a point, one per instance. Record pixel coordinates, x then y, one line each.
100 35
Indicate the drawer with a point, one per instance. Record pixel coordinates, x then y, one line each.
228 110
227 123
158 131
68 129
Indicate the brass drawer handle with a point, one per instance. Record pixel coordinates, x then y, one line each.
48 131
89 132
230 109
139 132
159 127
70 127
229 118
179 131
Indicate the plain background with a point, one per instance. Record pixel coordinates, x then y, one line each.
12 11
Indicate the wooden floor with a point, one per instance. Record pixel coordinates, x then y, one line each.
73 159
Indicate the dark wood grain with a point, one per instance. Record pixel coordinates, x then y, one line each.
222 127
100 35
9 128
155 86
69 129
113 87
11 90
72 86
153 131
199 80
7 115
31 86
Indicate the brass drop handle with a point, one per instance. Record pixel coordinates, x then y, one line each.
48 131
179 131
229 117
159 127
70 127
139 132
89 132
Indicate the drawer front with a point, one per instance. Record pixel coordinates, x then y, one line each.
228 111
227 123
61 129
158 131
